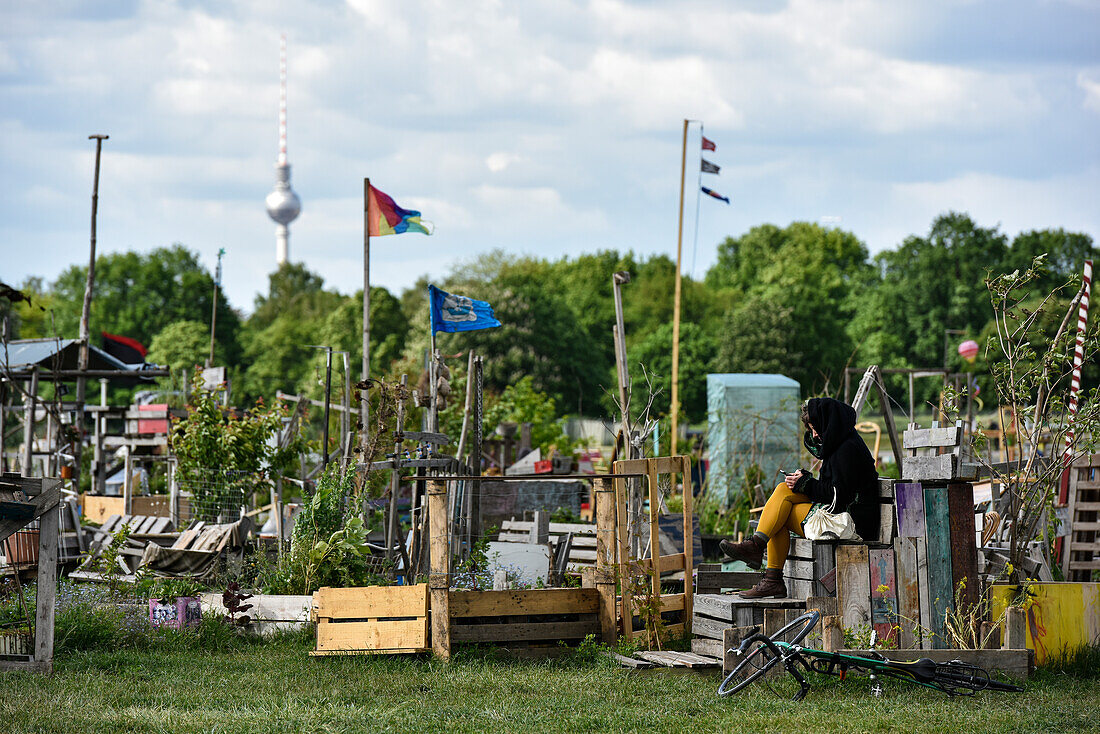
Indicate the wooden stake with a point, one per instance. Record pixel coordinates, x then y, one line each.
439 580
675 408
604 498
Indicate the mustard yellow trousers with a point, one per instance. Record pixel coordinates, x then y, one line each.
784 511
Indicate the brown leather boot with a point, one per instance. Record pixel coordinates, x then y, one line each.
751 551
771 585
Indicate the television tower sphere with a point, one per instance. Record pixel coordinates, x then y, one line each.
283 205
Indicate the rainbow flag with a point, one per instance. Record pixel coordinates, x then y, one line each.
384 216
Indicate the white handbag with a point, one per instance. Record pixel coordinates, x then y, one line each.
828 525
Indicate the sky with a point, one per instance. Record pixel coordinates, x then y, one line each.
547 128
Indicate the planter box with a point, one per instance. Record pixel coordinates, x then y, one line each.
185 611
269 612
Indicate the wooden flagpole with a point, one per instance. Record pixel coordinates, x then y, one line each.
676 300
364 408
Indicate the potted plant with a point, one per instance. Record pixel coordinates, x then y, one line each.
176 603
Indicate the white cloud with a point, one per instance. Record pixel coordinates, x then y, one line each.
1089 82
542 127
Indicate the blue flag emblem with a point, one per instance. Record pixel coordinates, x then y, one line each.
450 312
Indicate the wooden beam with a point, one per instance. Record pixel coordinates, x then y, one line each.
439 580
941 592
47 500
604 492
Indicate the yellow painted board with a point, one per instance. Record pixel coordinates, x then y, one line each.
370 602
523 601
1061 616
375 635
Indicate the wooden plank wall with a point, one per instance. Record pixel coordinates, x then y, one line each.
940 576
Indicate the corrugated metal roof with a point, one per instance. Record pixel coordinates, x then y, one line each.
22 354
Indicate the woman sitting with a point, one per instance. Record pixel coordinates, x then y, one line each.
847 468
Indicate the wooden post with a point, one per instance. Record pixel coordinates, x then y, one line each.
654 530
1015 629
439 580
832 633
604 493
689 539
623 536
395 478
540 528
364 405
47 584
128 481
30 406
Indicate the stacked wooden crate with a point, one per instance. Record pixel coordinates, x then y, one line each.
713 614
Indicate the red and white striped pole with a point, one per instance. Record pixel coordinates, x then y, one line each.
1078 357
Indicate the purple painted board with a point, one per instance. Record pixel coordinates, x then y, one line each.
909 499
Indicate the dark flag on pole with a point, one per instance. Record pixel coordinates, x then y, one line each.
708 167
709 144
123 348
715 194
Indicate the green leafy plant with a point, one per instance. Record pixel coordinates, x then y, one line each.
109 561
224 455
168 590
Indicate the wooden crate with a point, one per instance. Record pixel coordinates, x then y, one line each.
524 615
372 619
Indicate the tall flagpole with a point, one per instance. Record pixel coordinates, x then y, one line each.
676 299
363 405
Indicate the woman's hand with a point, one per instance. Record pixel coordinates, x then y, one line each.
792 479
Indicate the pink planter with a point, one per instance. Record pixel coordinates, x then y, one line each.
183 612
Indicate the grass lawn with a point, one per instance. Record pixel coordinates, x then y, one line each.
278 687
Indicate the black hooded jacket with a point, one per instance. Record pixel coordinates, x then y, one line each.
846 466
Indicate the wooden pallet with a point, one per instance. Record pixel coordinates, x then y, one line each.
371 619
1081 556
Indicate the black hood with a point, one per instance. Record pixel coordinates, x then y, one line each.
833 420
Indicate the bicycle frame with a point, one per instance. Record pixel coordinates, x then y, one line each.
955 678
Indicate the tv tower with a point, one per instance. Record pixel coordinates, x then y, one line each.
283 205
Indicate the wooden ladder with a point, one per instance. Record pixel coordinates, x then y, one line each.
1082 554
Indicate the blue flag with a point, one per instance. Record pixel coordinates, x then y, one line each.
450 312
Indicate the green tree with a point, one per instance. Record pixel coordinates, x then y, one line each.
928 285
276 338
183 346
654 352
793 292
139 294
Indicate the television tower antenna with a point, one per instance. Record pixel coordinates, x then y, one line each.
283 205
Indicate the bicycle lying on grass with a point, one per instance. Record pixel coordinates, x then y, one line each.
764 658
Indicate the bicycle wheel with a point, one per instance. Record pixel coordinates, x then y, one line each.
759 657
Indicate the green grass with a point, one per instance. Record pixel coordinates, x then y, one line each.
278 687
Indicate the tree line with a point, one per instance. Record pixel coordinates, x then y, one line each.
803 300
